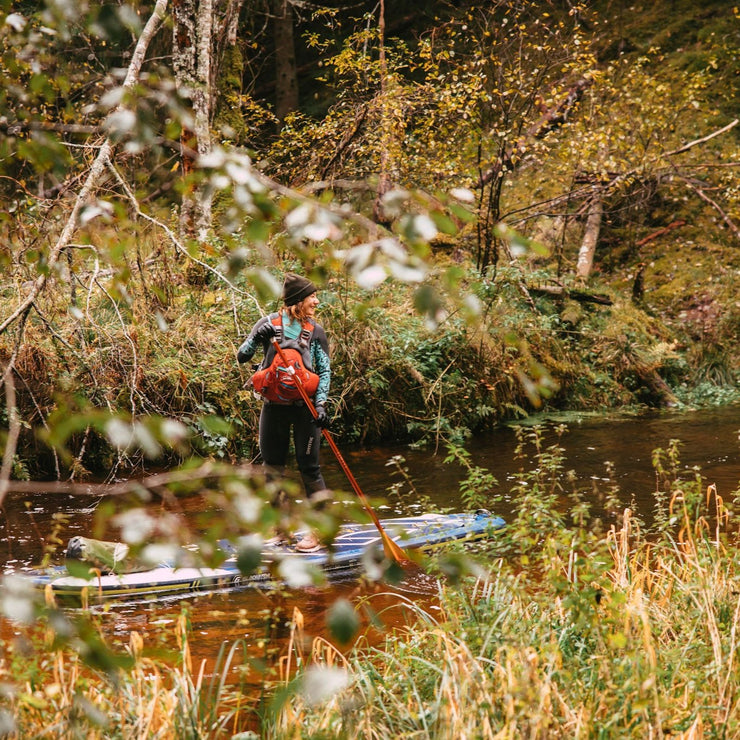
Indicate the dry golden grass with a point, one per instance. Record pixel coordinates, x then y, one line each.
638 639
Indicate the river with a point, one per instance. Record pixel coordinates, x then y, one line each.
259 619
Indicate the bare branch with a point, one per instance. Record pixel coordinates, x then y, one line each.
156 483
703 140
629 173
730 223
672 225
560 291
319 185
171 235
96 171
604 186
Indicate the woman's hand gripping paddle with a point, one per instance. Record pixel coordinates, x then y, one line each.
392 550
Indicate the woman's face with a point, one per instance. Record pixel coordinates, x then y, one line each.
309 305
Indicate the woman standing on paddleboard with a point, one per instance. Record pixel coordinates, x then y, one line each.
283 410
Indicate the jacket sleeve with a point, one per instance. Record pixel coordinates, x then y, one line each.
250 345
321 364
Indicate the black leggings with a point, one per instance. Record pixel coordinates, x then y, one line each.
275 423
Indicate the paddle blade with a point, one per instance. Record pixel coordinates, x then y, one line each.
392 550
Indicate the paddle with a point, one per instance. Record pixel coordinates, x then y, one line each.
392 550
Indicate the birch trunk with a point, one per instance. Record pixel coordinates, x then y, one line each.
191 58
95 174
590 239
86 193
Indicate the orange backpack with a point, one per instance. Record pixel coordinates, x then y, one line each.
277 382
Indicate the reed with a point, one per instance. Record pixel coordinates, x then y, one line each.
632 634
628 631
59 696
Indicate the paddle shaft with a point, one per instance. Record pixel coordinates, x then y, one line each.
391 548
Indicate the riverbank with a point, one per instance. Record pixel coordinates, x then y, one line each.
624 636
583 263
394 378
579 627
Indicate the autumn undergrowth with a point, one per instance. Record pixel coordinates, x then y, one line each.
574 630
54 692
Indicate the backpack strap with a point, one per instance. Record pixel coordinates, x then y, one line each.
304 338
306 333
277 321
303 342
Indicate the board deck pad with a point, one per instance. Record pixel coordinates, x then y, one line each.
353 543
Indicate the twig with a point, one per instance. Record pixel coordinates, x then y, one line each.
153 483
135 354
78 460
43 420
93 281
339 184
704 139
171 235
673 225
344 143
730 223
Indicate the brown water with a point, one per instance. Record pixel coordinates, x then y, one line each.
258 620
709 440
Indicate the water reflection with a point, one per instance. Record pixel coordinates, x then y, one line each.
710 440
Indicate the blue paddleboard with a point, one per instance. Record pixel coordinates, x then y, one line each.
351 545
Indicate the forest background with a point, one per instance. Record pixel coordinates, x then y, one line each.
509 207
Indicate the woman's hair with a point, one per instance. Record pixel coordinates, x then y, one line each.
296 311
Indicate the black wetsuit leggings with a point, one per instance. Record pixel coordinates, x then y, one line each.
276 421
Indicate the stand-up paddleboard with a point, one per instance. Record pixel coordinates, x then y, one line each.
353 542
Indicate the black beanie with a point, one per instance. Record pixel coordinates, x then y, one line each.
296 288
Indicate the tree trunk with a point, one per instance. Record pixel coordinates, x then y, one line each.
590 238
95 174
384 180
191 58
286 72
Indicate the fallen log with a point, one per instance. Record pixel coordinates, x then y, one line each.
560 291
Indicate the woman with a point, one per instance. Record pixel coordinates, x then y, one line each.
295 329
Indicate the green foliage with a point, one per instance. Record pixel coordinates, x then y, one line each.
478 147
395 376
138 326
474 81
342 621
478 486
